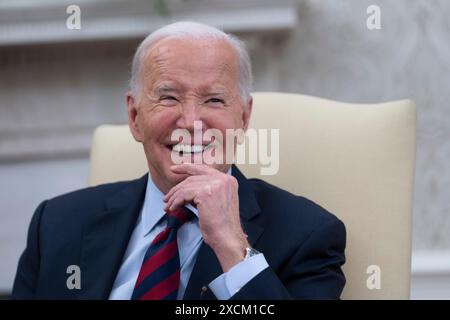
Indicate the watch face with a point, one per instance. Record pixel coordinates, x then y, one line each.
251 252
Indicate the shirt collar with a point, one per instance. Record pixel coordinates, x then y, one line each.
153 208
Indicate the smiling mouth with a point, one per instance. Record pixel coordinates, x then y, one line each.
189 148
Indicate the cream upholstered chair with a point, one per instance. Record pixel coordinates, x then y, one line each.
355 160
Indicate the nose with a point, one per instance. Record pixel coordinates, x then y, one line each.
189 115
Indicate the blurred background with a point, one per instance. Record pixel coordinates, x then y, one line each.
57 84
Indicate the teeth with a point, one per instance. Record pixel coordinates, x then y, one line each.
187 148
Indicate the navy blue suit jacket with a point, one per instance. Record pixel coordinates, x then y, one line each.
302 243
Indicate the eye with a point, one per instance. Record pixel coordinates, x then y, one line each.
216 101
168 98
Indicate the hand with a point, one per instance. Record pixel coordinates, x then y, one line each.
215 194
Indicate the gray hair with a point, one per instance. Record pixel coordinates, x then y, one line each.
194 30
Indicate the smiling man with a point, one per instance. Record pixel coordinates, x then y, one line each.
191 230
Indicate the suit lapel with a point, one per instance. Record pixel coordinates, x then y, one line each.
207 266
106 238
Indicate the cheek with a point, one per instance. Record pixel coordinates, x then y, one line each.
223 124
229 118
157 124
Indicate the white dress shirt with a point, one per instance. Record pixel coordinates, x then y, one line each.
151 221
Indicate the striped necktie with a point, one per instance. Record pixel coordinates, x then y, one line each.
159 276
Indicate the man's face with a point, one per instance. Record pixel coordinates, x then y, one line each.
186 80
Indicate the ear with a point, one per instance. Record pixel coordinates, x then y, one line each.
247 112
134 118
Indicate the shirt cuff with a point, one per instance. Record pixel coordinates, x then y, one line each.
229 283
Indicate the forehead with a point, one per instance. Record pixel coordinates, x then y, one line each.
210 61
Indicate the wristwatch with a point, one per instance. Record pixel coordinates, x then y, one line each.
250 252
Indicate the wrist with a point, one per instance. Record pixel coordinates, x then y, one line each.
231 253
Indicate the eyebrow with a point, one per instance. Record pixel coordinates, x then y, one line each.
165 89
205 91
217 94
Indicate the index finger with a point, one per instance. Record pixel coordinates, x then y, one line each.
193 169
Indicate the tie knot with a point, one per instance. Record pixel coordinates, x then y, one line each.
176 218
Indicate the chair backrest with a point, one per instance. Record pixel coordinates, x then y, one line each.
355 160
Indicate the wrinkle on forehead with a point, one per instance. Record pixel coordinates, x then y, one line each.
219 60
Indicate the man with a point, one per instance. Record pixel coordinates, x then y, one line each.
189 230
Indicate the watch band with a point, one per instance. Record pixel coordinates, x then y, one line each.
250 252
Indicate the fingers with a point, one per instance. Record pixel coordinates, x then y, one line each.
199 181
177 201
182 196
193 169
185 183
196 172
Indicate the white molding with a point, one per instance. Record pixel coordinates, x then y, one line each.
430 276
70 141
46 25
431 263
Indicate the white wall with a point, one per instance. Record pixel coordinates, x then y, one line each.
22 187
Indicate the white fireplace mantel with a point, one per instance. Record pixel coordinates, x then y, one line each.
35 22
